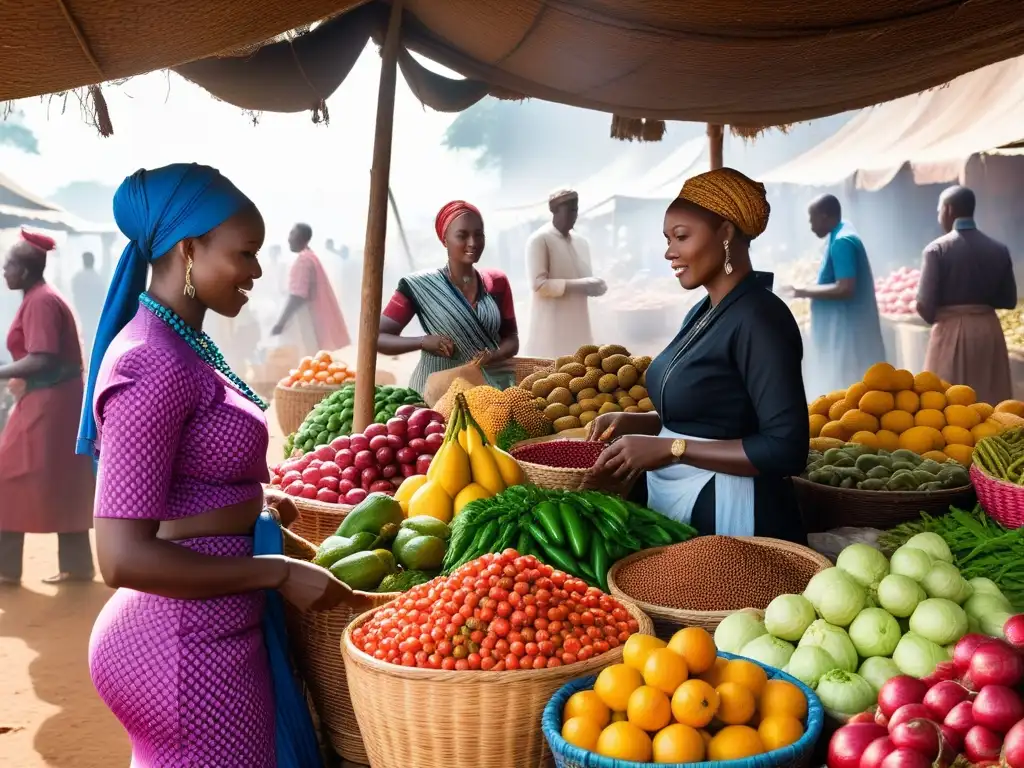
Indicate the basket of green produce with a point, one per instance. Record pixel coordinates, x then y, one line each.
858 486
998 476
580 532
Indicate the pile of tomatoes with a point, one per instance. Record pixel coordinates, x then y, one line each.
498 612
319 370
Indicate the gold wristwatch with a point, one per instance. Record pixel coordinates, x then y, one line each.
678 449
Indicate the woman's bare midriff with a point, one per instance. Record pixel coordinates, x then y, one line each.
236 520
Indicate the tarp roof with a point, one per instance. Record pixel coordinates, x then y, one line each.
722 61
19 207
936 132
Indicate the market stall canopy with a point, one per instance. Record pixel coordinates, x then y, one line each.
720 61
935 132
19 207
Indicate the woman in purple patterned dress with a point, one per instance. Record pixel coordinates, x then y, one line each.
177 653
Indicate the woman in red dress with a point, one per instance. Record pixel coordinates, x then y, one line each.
44 486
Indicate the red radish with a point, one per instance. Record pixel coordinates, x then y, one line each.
995 663
340 443
359 443
997 708
311 475
344 486
906 758
419 419
329 469
397 426
324 453
414 432
406 410
406 455
363 460
374 430
344 458
315 464
918 734
382 486
327 496
290 477
434 428
423 464
944 670
291 466
908 712
389 470
355 496
396 442
964 650
433 442
295 488
308 491
981 744
384 456
351 474
864 717
1014 631
942 697
419 445
408 470
954 739
370 474
961 717
331 483
1013 746
880 718
849 742
876 752
378 442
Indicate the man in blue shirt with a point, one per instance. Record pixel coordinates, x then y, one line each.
846 335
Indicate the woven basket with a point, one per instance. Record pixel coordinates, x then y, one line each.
316 641
293 404
668 621
1002 501
317 520
524 366
566 478
798 755
823 507
425 718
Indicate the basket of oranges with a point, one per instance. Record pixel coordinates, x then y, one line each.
683 702
306 385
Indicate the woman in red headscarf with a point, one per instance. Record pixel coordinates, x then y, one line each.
466 313
44 486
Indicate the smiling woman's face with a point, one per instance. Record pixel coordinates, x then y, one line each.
695 251
225 263
465 238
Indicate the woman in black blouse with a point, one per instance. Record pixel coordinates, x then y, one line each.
728 391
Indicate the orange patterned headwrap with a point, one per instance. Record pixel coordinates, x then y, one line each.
450 213
731 195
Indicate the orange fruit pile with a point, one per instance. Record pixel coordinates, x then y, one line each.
319 370
679 702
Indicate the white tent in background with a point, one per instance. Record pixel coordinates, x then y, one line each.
19 207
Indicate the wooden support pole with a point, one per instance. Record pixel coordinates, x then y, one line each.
376 227
716 142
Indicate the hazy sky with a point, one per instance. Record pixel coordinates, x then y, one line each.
293 169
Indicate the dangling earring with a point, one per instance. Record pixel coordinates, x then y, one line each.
190 290
728 258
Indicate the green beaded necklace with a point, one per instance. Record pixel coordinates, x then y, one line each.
202 345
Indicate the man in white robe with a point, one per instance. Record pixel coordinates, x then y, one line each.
559 270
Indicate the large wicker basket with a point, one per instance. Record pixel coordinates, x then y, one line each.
1002 501
565 478
424 718
667 621
316 521
524 366
797 755
316 641
823 507
293 404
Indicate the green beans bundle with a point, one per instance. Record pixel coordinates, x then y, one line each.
980 547
1002 456
579 532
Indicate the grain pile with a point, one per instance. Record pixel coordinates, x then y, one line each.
715 573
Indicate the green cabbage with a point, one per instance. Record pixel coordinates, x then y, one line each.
918 657
875 633
941 621
768 650
933 544
942 580
738 629
788 617
899 595
984 603
992 624
808 663
907 561
864 564
983 586
877 670
834 640
835 596
845 694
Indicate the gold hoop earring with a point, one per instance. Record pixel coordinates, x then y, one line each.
190 290
728 258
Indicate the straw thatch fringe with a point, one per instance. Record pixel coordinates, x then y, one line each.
637 128
100 112
750 132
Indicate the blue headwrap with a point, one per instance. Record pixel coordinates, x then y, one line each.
155 210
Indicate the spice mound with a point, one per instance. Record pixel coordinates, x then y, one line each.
565 454
715 573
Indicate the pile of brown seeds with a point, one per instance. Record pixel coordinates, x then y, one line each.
715 573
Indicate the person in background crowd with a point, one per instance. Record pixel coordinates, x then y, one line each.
44 486
559 270
177 653
467 313
846 333
87 289
730 421
965 277
311 315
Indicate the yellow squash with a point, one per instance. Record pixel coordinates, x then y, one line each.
482 464
406 490
472 492
508 467
432 500
453 469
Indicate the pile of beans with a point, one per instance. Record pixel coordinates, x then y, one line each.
565 454
715 573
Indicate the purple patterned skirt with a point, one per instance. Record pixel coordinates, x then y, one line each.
188 679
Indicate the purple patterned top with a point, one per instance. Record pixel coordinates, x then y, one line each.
175 438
